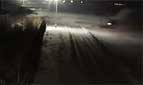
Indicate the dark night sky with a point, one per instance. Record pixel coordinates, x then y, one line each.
94 6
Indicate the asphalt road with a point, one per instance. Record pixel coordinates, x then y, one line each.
77 51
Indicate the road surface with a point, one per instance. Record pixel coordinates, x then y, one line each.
77 51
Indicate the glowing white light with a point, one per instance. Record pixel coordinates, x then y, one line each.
87 34
81 2
109 23
71 1
66 29
48 0
118 4
53 0
63 1
33 9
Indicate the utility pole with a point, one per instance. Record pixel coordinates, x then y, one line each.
22 2
56 4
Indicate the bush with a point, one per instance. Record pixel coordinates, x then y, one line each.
21 39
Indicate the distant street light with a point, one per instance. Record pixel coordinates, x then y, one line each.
71 1
64 1
119 4
109 24
81 2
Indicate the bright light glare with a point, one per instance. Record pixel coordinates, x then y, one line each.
79 31
53 0
109 23
118 4
81 2
71 1
48 0
64 1
104 35
66 29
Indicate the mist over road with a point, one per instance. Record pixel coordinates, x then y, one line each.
78 45
77 50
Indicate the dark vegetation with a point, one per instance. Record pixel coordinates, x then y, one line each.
20 44
19 51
